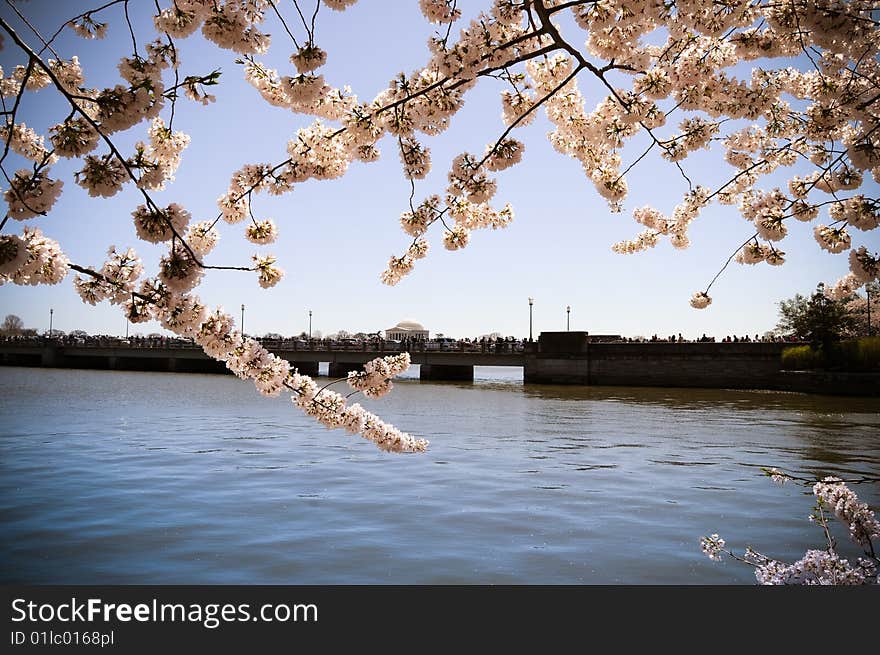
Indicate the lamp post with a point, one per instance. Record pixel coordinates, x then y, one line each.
310 325
531 303
242 319
567 318
51 311
868 291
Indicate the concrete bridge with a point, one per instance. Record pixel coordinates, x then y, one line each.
448 363
556 358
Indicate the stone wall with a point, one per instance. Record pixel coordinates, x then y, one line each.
730 365
708 365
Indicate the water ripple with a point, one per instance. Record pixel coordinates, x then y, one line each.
199 479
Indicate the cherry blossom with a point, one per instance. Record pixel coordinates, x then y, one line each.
818 566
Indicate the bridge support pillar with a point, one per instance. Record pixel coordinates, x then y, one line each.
341 369
112 363
49 356
464 373
540 370
306 368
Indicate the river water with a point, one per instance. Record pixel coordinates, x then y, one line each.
118 477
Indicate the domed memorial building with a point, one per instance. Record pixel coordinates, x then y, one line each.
407 330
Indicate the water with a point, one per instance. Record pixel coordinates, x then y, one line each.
115 477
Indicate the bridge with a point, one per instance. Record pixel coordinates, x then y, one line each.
555 358
437 361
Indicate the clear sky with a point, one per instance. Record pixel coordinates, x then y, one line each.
336 237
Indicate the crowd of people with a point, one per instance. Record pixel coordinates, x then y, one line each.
476 344
99 340
672 338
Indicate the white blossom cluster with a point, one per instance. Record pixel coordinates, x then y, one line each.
269 274
202 237
863 525
700 300
339 5
31 259
712 546
157 225
416 223
34 80
88 28
844 288
73 138
832 239
754 252
27 143
13 255
675 227
262 232
440 11
118 278
159 159
777 476
102 176
31 194
863 265
125 106
232 25
179 270
183 314
467 216
69 73
308 58
374 381
817 566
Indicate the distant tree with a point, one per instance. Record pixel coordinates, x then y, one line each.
12 325
790 311
865 311
819 319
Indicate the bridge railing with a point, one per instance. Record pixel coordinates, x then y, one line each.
294 344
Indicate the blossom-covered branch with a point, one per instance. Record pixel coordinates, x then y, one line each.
822 566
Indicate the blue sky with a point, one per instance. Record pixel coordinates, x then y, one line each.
336 237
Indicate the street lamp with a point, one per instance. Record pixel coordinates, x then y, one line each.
531 302
51 311
567 318
310 325
868 291
242 319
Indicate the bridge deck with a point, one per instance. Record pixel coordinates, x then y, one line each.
332 356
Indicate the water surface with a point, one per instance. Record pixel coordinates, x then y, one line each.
124 477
